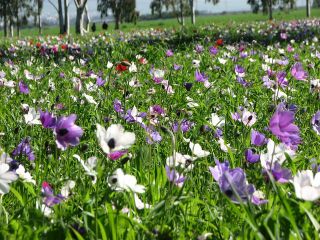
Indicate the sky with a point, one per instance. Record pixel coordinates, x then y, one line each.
143 7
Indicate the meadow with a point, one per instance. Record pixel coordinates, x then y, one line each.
206 133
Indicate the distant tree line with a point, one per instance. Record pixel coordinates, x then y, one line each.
16 13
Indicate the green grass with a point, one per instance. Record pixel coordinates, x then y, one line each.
173 23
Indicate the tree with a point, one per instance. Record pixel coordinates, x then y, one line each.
81 9
60 14
308 8
66 17
39 10
121 10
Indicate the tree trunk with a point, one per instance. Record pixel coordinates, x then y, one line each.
60 13
18 24
66 17
117 16
181 13
308 8
79 20
5 21
39 18
270 9
193 13
11 27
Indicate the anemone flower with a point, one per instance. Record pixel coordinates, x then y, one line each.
119 181
315 122
114 138
174 177
307 186
257 138
24 148
6 177
66 132
298 72
47 119
23 87
281 125
49 198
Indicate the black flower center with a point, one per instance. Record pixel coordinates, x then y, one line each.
111 143
188 162
114 180
229 193
62 131
250 118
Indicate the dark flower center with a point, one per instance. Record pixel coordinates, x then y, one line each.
114 180
229 193
62 131
111 143
250 118
188 162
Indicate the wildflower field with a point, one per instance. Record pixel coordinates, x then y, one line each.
208 133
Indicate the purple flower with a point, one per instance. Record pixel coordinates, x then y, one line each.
281 79
298 73
239 71
100 82
200 77
242 81
218 133
23 87
186 125
258 138
169 53
47 119
213 50
281 175
315 122
66 132
232 182
281 125
174 177
24 148
177 67
157 109
251 157
199 48
49 198
117 106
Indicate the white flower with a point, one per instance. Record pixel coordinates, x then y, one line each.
133 68
6 177
306 186
196 63
157 73
275 153
114 138
65 190
119 181
248 118
184 161
139 204
32 117
109 65
90 99
222 61
197 150
217 121
223 146
89 166
25 176
191 103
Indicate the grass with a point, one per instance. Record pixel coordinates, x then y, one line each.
173 23
60 81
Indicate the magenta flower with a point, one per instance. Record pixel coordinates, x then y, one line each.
281 125
66 132
169 53
298 73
